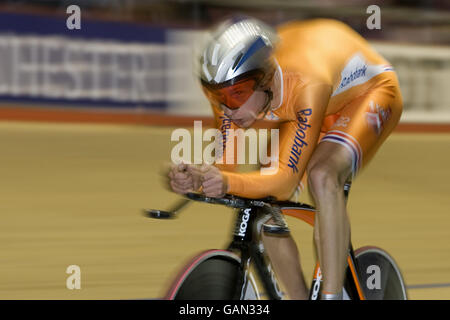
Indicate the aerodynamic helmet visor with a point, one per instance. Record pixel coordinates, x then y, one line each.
232 94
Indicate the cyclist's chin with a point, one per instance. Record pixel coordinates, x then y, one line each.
244 123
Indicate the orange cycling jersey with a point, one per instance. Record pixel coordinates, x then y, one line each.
335 88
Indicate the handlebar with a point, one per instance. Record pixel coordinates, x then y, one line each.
240 202
270 204
230 200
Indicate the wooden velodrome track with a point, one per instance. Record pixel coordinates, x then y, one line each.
72 194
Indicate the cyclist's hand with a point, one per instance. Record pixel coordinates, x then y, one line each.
181 180
196 172
213 182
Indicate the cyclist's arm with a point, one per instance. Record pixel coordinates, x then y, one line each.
297 141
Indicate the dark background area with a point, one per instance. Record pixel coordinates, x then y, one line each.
420 21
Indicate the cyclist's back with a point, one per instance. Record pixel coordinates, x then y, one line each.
330 52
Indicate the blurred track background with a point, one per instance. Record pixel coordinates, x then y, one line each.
86 118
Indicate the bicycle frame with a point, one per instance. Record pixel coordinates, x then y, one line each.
247 248
248 243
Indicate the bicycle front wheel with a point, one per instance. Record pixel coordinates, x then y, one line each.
380 276
214 275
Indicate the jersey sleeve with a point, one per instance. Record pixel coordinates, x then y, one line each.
297 140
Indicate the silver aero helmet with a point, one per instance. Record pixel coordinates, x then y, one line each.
237 58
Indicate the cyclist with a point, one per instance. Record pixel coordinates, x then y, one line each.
335 101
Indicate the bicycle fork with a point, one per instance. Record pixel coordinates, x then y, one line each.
249 224
266 274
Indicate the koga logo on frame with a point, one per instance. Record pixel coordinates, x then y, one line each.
244 223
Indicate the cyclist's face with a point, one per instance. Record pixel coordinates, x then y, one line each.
246 115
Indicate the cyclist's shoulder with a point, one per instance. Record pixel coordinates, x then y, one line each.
318 47
300 90
308 39
299 83
301 66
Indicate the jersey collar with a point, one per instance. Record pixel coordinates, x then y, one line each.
277 88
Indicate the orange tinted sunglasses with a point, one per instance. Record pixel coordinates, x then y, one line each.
233 96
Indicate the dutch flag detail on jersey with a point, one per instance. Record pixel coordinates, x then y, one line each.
348 142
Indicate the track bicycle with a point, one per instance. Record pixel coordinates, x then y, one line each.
226 274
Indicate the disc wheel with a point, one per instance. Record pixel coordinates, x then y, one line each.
213 279
380 276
